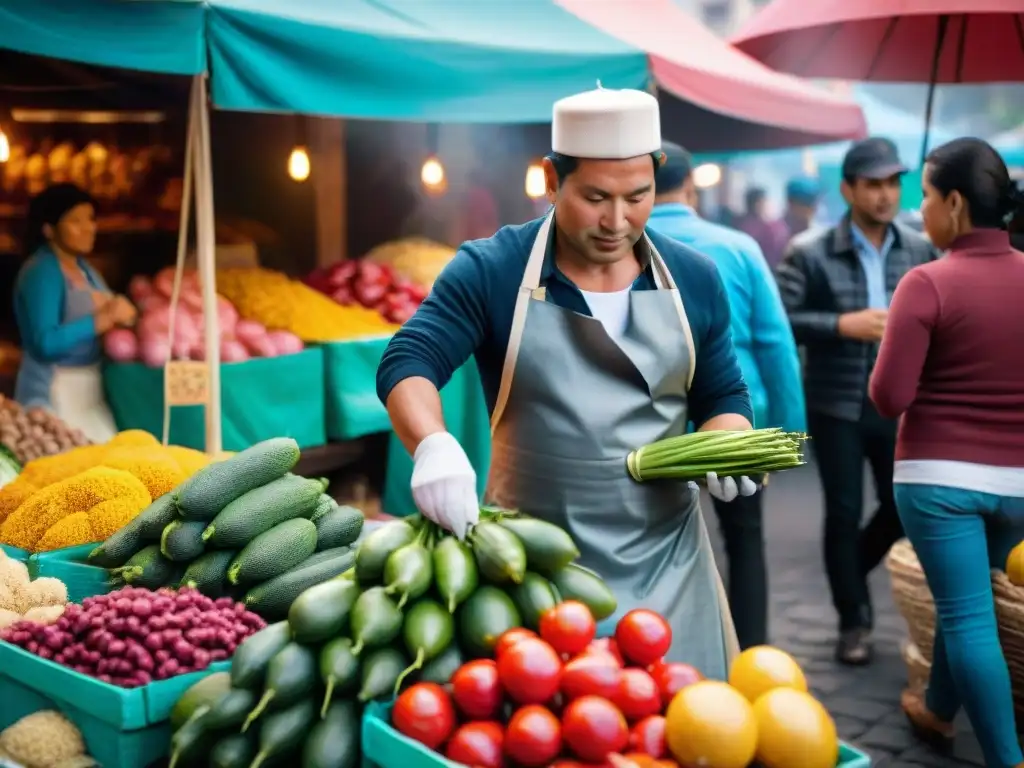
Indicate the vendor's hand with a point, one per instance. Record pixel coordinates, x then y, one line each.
444 484
123 311
728 488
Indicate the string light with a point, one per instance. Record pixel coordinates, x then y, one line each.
298 164
536 184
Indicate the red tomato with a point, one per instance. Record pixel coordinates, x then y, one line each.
672 678
568 627
510 638
648 736
476 690
477 744
592 727
533 737
607 647
638 694
595 674
643 636
424 713
530 671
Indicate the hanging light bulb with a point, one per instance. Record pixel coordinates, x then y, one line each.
5 147
707 175
536 183
298 164
432 175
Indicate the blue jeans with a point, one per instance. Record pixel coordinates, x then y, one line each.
958 536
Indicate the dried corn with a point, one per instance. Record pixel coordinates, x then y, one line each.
69 531
154 466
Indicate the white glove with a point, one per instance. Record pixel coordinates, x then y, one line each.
727 489
444 484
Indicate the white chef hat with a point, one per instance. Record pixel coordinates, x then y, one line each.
606 124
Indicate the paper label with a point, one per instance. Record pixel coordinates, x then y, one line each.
186 382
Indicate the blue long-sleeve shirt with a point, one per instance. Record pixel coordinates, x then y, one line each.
469 313
764 341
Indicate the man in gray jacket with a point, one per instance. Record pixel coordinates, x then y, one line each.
836 285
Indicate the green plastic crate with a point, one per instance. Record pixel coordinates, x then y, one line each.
385 747
122 727
15 553
68 565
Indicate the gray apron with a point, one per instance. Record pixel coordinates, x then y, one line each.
571 405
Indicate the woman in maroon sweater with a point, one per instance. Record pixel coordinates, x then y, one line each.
951 364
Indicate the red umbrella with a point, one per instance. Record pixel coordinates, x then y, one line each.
923 41
723 98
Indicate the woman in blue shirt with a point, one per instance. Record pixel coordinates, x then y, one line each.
63 307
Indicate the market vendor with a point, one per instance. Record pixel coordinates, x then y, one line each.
63 307
586 349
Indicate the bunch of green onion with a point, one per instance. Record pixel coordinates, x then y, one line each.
726 453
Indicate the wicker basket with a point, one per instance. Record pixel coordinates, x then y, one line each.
912 596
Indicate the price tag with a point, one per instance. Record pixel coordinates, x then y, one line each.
186 383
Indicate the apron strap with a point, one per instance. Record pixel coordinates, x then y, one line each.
663 280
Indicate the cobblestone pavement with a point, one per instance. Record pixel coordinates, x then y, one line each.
864 701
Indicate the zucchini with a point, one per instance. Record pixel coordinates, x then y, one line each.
427 632
189 743
291 677
231 709
338 527
455 571
483 618
273 552
209 573
334 741
533 598
499 554
261 509
375 620
119 546
213 487
324 504
574 582
182 541
273 598
149 569
236 750
200 698
339 670
381 669
249 664
441 668
283 731
375 549
321 612
408 572
547 546
154 518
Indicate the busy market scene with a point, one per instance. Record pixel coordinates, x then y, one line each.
511 384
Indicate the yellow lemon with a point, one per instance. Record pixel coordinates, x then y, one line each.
710 724
760 669
794 731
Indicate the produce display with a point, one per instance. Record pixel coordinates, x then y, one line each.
134 636
44 739
727 453
371 285
244 527
415 259
35 432
89 493
279 303
23 599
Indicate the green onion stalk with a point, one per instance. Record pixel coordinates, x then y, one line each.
724 452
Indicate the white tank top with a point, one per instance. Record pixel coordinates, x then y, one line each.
612 309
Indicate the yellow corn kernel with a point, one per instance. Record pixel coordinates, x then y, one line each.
188 459
52 469
154 466
69 531
108 517
13 496
133 438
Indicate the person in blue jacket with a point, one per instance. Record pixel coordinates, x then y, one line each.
767 356
63 307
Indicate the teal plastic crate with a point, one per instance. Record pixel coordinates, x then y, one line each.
68 565
385 747
15 553
123 727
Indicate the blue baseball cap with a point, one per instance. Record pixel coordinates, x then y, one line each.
803 189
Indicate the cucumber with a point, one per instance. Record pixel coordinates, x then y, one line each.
249 664
154 518
119 547
231 709
532 598
574 582
441 668
324 504
213 487
182 541
375 549
189 743
381 670
321 612
273 598
427 632
483 618
200 698
339 670
149 569
273 552
235 750
261 509
547 546
408 572
283 731
499 554
455 571
334 741
291 676
338 527
375 620
208 573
